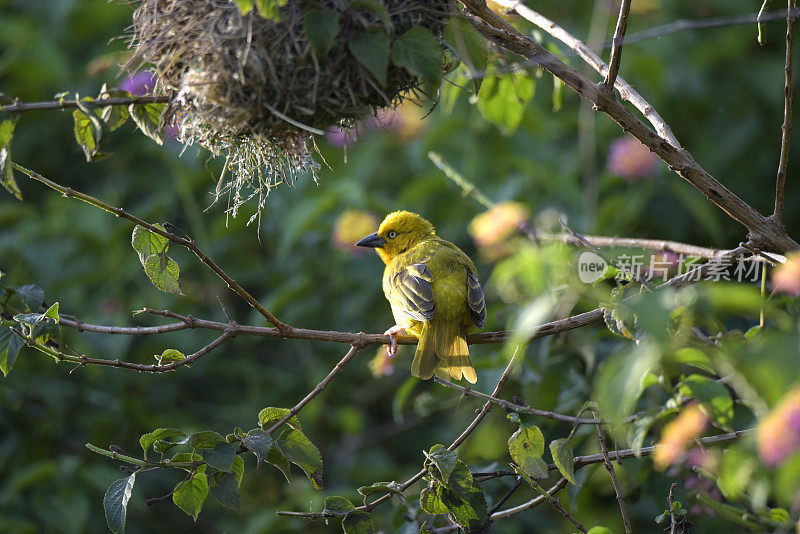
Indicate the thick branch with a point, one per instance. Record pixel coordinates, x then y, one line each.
616 44
626 91
20 107
786 127
763 232
189 244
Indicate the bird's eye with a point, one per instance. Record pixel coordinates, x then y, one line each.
392 234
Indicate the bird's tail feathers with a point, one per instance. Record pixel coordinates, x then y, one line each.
440 352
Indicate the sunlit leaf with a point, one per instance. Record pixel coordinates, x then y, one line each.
115 503
190 494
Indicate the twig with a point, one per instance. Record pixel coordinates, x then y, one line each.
558 506
616 46
319 389
156 368
702 24
670 500
786 127
189 244
20 107
517 407
561 484
763 231
626 91
601 437
507 496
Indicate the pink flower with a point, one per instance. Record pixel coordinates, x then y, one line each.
342 137
779 431
786 277
492 228
630 159
140 83
689 424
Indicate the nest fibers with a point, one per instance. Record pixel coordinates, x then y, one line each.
252 88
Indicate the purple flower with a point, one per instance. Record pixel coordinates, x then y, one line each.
630 159
341 137
139 83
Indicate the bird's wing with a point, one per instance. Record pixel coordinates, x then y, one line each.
477 305
409 290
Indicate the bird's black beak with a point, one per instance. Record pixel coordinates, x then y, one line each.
372 241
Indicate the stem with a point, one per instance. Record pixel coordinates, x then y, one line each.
786 127
616 45
20 107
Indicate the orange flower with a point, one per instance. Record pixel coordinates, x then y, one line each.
786 277
491 228
779 431
677 433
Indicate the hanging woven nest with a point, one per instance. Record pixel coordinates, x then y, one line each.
254 86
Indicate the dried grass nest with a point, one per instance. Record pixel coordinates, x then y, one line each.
251 88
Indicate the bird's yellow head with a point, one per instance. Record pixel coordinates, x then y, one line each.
398 232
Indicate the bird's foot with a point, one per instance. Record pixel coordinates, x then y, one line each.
391 348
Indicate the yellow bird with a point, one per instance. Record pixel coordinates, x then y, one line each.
434 292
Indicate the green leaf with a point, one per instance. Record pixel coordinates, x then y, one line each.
443 459
714 398
381 487
225 489
238 469
159 434
418 52
10 345
87 132
563 458
259 443
114 116
638 430
502 99
526 447
321 27
7 132
115 503
460 480
470 512
164 272
600 530
358 523
32 296
245 6
695 358
170 355
271 415
337 505
190 494
297 448
619 380
269 8
277 459
221 456
470 46
371 49
376 8
147 243
52 312
148 118
7 179
205 439
430 501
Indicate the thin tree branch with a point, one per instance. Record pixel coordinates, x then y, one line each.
616 46
786 127
155 368
626 91
20 107
702 24
670 500
601 437
507 496
518 408
189 244
561 484
763 231
351 338
319 389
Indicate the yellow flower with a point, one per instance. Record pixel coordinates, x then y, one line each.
491 228
351 226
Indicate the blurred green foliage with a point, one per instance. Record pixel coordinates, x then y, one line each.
720 92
